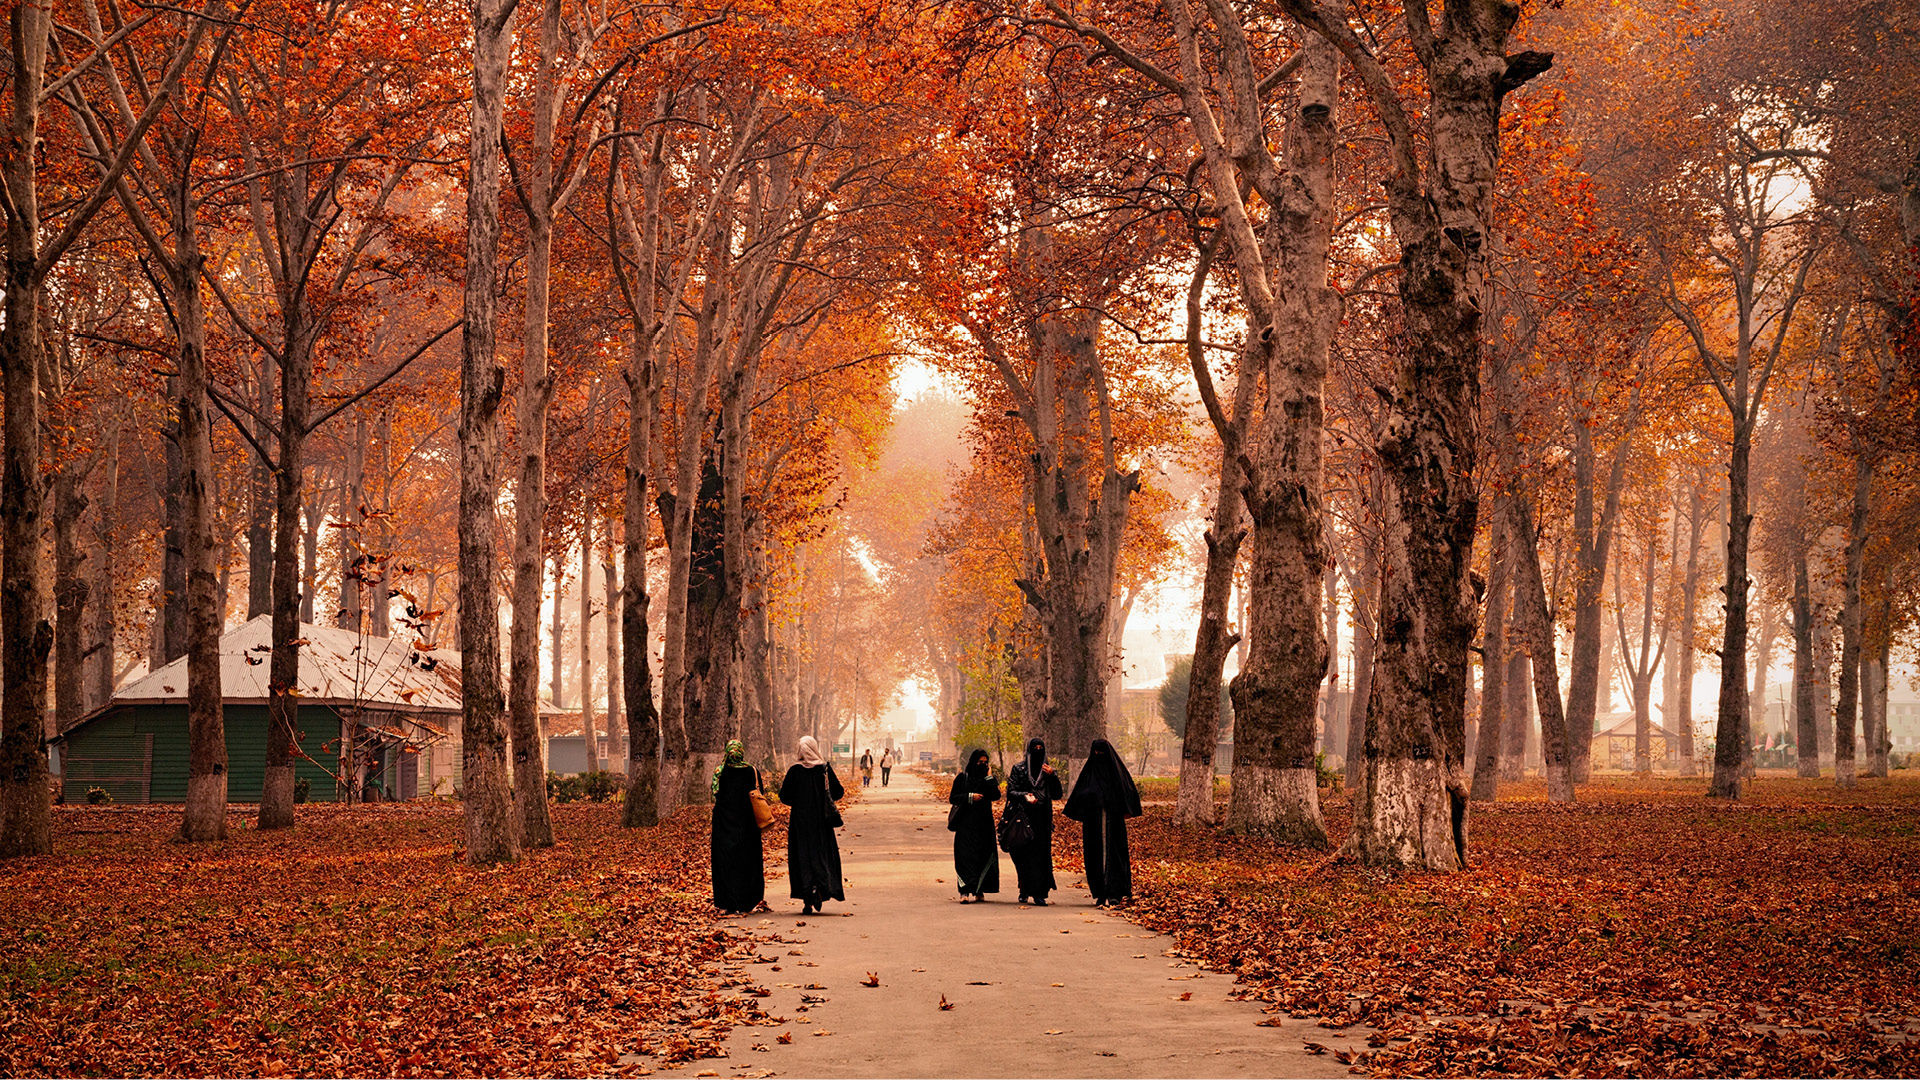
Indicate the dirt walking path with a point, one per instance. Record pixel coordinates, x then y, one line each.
1060 991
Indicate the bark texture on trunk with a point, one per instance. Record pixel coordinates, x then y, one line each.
1593 540
1729 756
1680 716
1851 621
492 826
1493 660
1534 626
1806 724
26 637
530 433
1411 809
205 817
72 596
1275 695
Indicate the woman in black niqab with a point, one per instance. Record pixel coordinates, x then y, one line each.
976 862
1032 786
1104 797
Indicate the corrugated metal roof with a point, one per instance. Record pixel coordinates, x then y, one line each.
337 667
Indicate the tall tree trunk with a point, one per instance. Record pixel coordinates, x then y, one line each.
72 593
260 499
1193 804
26 637
380 618
1275 696
1593 540
290 600
1493 659
1412 808
530 433
205 817
102 631
556 634
1522 723
309 545
173 544
1878 639
587 730
1730 735
492 825
642 806
677 511
1851 652
356 568
1806 725
1534 624
1365 606
1757 697
1681 715
610 582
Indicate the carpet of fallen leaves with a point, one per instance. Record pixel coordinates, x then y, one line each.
1645 930
357 944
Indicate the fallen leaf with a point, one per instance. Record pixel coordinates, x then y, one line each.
872 979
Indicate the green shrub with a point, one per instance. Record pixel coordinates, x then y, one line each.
302 789
564 789
99 796
1322 775
601 785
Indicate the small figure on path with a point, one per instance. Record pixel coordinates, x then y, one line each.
866 768
810 789
886 766
1104 797
1033 785
976 861
739 876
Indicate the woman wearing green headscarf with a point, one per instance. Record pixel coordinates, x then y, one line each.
739 880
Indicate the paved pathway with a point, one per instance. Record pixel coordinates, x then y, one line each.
1061 991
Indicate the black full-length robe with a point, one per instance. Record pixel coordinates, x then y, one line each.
813 855
1033 864
739 876
1104 797
975 858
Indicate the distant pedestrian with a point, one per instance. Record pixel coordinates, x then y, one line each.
1032 786
976 861
866 768
810 790
739 874
1104 797
886 766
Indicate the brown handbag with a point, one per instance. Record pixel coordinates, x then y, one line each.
762 809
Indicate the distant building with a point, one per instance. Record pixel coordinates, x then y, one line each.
378 716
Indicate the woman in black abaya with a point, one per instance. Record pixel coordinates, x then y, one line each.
813 855
1032 786
739 877
1104 797
975 859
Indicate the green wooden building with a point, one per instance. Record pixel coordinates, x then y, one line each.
378 718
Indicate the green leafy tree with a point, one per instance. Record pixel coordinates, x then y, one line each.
1173 698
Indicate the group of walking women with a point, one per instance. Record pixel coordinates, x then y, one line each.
1103 797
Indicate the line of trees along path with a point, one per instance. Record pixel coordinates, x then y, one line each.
1339 316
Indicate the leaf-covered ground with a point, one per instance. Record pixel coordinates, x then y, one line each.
358 945
1644 931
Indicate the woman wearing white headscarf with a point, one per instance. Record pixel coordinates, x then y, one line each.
813 856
